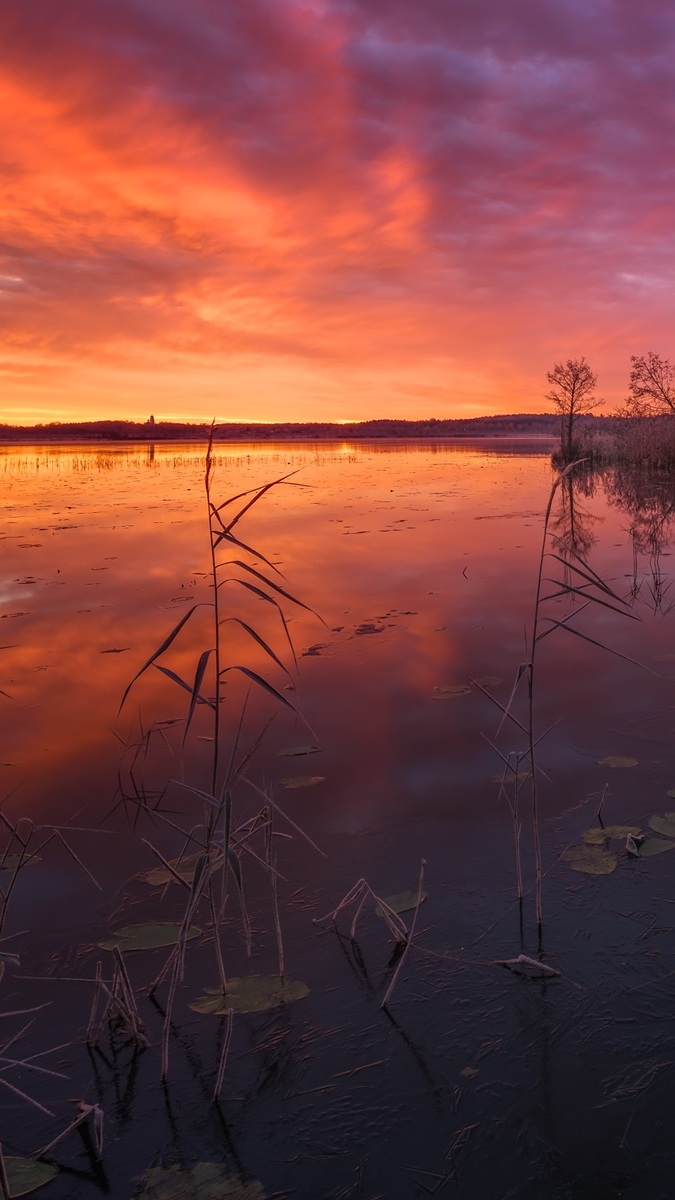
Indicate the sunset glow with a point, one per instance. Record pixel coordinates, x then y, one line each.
324 209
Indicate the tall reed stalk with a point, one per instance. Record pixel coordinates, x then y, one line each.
223 840
583 587
534 641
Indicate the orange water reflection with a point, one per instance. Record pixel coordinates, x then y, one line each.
419 559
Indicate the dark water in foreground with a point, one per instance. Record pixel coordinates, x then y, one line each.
421 562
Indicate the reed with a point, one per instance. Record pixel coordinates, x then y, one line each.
85 1112
356 899
582 587
223 839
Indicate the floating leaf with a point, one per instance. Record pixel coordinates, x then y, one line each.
617 761
597 835
185 867
488 680
252 993
651 846
468 1072
520 776
296 751
401 902
592 860
664 825
24 1175
314 651
11 862
204 1181
531 968
446 691
147 937
303 781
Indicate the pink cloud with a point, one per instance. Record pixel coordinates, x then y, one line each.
333 196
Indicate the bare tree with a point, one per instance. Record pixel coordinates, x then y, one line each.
572 394
652 386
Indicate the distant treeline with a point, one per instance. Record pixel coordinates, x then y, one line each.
511 425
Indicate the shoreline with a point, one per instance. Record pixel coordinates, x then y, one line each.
291 439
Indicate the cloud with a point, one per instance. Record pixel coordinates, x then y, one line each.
304 188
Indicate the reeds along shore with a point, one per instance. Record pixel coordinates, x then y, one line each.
643 441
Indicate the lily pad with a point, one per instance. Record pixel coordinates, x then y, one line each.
446 691
651 846
520 776
150 936
204 1181
296 751
251 993
401 902
592 860
303 781
24 1175
489 680
185 867
617 761
10 862
664 825
597 835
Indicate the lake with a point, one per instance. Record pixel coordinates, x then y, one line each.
378 750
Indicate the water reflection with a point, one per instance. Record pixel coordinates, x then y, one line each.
423 565
104 548
421 562
646 501
574 526
17 461
647 498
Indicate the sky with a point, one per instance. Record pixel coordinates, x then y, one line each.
292 210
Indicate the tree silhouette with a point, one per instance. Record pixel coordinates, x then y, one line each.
652 386
572 394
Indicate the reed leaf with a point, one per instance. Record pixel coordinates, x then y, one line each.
235 562
262 683
523 670
252 550
270 600
260 641
586 573
595 642
540 635
158 653
567 590
259 493
195 695
185 686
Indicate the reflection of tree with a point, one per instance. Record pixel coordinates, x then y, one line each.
571 523
648 498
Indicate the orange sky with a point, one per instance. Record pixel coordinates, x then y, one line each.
317 209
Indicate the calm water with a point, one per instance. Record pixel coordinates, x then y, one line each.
419 563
